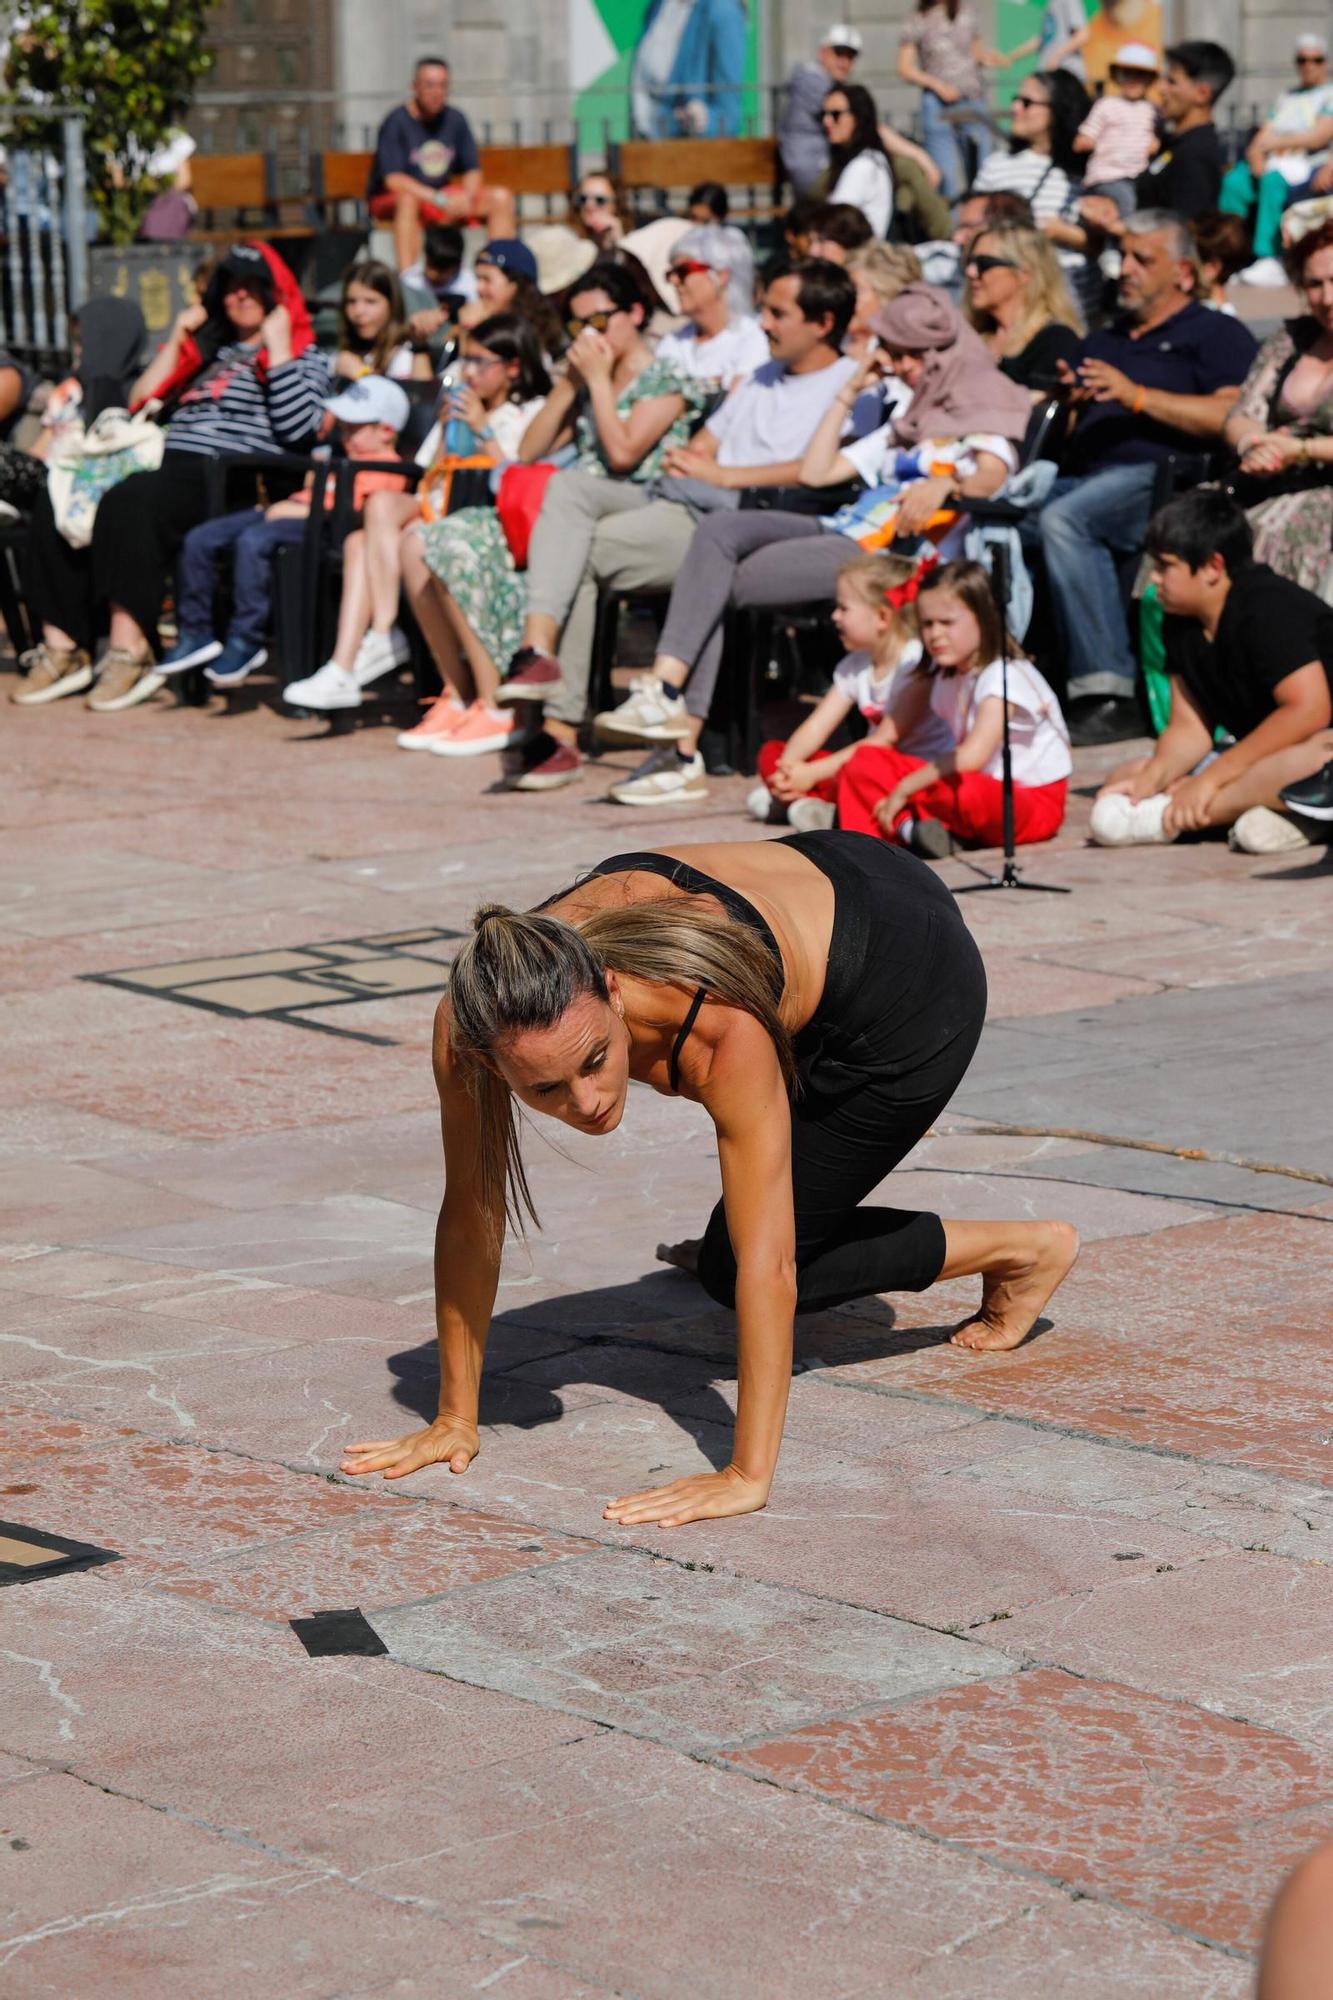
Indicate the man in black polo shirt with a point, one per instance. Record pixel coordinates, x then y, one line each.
427 168
1249 654
1159 378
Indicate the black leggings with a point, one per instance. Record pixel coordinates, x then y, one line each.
901 1014
137 535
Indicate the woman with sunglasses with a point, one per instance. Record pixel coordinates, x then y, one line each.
1016 297
597 211
1043 166
859 172
620 409
712 275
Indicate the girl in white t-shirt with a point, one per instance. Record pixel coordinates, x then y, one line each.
932 804
876 621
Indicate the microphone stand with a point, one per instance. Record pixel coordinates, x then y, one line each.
1009 876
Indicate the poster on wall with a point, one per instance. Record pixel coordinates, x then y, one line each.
664 69
1110 23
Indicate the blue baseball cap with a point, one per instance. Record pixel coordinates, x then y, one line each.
508 254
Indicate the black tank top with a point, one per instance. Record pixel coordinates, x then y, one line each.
696 883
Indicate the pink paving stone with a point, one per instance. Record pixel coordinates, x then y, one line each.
116 1898
1245 1635
1177 1813
1075 1951
377 1560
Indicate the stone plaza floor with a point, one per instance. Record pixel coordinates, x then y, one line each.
1021 1686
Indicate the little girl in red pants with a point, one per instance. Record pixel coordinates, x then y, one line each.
875 618
955 797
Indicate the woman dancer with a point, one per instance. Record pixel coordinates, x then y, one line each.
821 997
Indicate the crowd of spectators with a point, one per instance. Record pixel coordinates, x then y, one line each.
592 411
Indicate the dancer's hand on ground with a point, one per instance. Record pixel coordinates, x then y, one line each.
708 1496
451 1441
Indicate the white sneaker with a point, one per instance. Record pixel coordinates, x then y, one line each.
759 804
811 815
652 713
1265 271
663 779
1262 831
1118 821
379 653
332 687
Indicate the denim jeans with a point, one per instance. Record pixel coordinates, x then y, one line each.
940 136
253 543
1085 525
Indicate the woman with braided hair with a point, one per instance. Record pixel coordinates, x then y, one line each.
821 997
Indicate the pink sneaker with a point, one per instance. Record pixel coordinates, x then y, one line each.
479 729
444 714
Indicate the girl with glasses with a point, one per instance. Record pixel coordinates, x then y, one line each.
1016 297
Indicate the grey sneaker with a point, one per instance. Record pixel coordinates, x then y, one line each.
651 712
52 672
811 815
123 681
663 779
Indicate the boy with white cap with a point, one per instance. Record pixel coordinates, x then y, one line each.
1282 158
369 414
1119 134
802 144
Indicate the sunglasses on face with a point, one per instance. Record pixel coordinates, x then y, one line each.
598 321
832 117
1311 62
596 200
686 267
1032 103
983 264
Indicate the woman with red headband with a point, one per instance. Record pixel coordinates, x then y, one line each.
821 998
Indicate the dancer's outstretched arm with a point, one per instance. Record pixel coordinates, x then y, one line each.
742 1089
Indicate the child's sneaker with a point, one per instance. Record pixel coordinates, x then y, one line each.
481 729
1118 821
760 804
811 815
332 687
929 838
444 714
191 649
1262 831
237 659
379 653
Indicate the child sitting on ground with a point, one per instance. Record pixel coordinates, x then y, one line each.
931 805
1120 131
875 617
369 414
1250 654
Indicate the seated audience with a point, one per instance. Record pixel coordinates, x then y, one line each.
504 382
879 273
621 410
373 334
598 211
941 261
712 275
427 168
1249 654
958 436
874 615
1282 159
1161 376
756 438
955 797
1017 299
859 173
837 228
1043 167
803 145
709 202
1119 134
1222 246
1282 427
246 377
1185 175
505 272
798 226
446 286
369 413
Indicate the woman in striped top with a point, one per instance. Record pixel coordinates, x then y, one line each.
1043 167
248 379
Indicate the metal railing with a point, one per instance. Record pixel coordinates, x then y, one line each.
44 277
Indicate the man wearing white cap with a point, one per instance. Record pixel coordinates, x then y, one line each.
801 141
1282 159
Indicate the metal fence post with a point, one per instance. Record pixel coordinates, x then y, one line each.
76 212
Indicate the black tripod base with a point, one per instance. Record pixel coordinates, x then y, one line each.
1009 878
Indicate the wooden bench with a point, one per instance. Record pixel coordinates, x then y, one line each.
546 171
649 168
243 187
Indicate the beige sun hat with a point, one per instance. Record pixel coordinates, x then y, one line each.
562 256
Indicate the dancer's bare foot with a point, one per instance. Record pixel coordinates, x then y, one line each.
1012 1299
685 1256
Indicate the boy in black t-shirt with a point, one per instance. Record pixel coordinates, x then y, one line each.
1250 655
